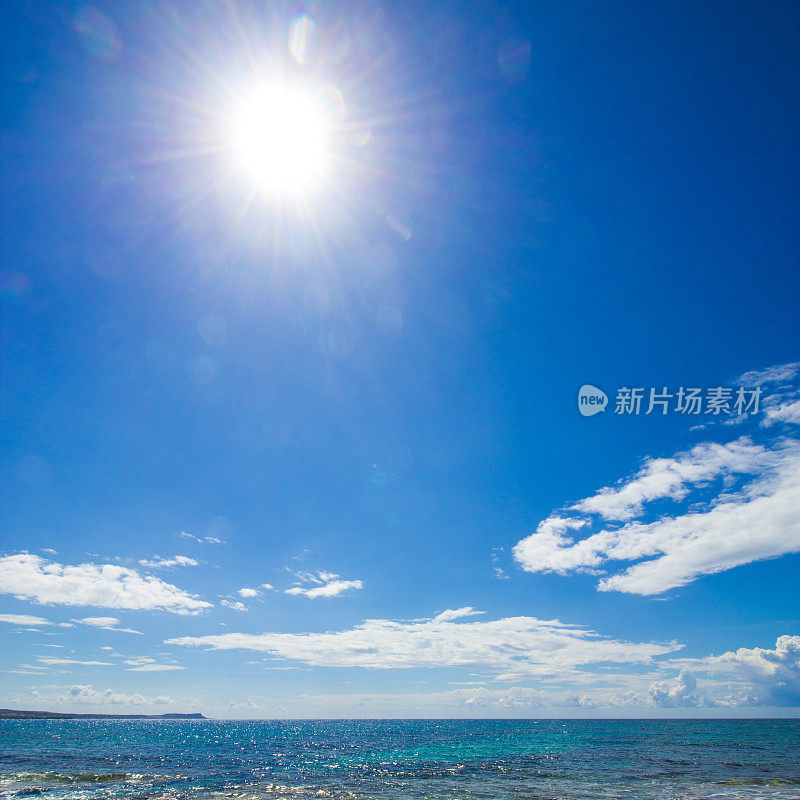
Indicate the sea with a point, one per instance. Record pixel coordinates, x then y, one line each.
250 760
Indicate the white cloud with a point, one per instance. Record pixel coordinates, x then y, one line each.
787 412
29 577
761 520
21 672
672 477
154 668
157 562
247 592
146 664
456 613
236 605
267 586
322 584
68 696
106 624
755 676
679 693
764 524
781 394
675 686
781 374
99 622
202 539
512 647
52 662
24 619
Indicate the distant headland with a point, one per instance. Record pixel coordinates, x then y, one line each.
11 713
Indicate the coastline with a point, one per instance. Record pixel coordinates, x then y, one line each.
11 713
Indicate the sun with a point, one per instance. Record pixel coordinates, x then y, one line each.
279 139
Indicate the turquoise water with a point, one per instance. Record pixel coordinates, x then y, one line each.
139 760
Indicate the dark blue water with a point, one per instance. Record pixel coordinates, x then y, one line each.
139 760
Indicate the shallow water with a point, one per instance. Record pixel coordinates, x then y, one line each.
548 759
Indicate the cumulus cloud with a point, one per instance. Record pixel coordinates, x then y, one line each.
756 676
30 577
86 695
322 584
247 592
680 693
157 562
508 647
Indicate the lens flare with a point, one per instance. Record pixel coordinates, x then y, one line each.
279 139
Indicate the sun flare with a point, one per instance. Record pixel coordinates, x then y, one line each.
279 139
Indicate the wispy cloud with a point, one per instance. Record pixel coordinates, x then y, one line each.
780 376
322 584
25 619
511 646
457 613
106 624
52 662
202 539
29 577
157 562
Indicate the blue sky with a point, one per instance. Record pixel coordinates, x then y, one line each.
315 450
